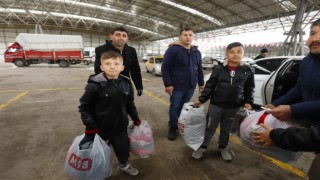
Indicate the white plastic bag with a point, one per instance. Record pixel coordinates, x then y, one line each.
251 123
141 140
192 125
93 163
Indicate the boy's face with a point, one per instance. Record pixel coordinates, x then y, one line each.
112 67
235 54
314 40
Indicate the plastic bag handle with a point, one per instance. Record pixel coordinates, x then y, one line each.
262 118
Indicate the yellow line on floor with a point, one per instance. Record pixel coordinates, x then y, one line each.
49 89
156 98
237 141
13 99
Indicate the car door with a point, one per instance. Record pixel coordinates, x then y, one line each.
274 86
263 69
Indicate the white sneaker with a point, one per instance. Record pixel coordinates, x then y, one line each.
129 169
198 153
226 154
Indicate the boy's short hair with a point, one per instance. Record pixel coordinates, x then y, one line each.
121 29
315 23
111 55
185 29
234 44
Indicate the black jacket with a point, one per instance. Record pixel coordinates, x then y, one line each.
227 92
106 104
297 139
130 62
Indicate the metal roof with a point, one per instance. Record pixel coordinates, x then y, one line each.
149 20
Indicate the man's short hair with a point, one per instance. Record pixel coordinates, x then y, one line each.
234 44
315 23
264 50
111 55
122 29
185 29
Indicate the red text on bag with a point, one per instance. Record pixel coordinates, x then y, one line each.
79 164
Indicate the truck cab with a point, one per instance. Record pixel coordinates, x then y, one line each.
89 55
14 54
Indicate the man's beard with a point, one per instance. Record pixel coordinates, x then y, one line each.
316 43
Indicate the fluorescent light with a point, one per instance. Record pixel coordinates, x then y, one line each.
193 11
108 9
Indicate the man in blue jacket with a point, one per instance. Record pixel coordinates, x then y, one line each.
301 102
181 72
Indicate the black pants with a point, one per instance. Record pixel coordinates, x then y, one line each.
120 144
314 173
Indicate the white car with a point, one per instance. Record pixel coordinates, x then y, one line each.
272 77
154 64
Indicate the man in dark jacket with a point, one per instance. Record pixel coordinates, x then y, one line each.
118 43
302 102
181 72
263 54
293 139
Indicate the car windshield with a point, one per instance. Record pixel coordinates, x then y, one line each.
158 60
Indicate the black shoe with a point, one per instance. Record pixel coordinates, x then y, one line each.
172 133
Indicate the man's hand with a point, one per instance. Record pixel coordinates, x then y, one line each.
282 112
247 106
201 88
262 137
169 90
269 106
139 92
197 104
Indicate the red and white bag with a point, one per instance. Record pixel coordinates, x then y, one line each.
251 123
141 140
92 163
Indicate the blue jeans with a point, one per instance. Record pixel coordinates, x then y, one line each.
177 100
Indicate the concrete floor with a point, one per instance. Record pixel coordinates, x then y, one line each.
39 119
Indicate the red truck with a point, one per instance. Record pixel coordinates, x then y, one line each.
44 48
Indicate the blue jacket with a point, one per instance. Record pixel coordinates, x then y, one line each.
304 98
182 68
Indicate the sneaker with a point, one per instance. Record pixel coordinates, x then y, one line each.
172 133
226 154
129 169
198 153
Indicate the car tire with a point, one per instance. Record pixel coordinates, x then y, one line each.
147 70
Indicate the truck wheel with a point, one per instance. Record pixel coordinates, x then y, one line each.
64 63
19 63
86 62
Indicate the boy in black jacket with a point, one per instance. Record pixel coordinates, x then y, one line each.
229 87
105 105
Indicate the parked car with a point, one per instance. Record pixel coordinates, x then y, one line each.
274 76
147 56
280 81
209 62
154 64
